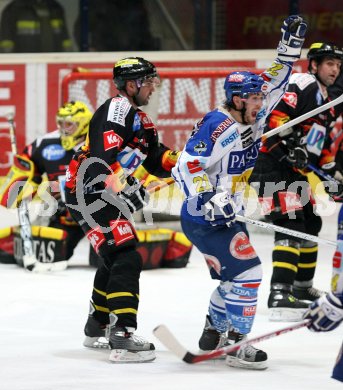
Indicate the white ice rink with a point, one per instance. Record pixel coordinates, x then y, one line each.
42 319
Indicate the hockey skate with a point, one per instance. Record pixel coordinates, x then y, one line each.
127 347
307 293
283 306
212 339
96 333
247 356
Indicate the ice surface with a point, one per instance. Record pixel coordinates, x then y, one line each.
42 319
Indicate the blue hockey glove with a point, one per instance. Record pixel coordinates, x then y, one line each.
134 195
292 38
326 313
218 208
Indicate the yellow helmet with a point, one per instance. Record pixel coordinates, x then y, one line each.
73 123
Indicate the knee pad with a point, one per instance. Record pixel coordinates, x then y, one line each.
288 243
241 299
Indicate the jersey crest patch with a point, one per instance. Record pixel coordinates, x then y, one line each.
111 140
291 99
241 248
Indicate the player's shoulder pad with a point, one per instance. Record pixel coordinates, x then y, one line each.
118 110
302 80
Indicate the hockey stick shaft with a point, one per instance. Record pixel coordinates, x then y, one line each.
303 117
281 229
166 337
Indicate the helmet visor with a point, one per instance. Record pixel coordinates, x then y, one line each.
66 127
151 82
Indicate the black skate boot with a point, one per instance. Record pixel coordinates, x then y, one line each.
127 347
247 357
306 292
96 333
212 339
282 304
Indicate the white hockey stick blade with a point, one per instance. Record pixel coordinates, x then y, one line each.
166 337
281 229
303 117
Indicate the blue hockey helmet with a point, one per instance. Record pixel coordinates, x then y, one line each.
242 84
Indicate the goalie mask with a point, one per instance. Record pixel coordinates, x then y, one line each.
73 123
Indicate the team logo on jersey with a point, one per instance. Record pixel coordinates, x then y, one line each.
289 201
111 140
240 247
136 122
194 166
130 158
122 231
290 98
53 152
200 147
96 238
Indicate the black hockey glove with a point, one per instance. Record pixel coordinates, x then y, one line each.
134 195
297 157
292 38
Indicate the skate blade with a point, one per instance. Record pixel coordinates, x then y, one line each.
240 363
96 342
284 314
125 356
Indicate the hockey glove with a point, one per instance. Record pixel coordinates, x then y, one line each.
297 157
292 38
218 208
134 195
334 185
326 313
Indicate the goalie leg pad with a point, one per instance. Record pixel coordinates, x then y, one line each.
49 244
6 246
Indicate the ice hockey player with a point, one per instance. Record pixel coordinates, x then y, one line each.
101 195
212 171
283 159
50 155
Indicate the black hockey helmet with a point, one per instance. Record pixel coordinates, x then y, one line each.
319 50
132 68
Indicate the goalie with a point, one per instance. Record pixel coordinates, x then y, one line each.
48 155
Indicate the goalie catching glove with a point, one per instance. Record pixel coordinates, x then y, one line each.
326 313
293 31
218 208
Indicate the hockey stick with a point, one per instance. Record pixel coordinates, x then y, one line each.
166 337
301 118
30 262
280 229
